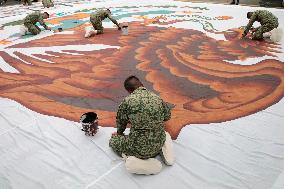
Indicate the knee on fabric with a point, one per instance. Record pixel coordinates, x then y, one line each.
117 144
34 29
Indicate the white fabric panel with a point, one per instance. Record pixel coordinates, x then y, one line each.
49 152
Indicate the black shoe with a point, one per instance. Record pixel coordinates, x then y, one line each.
232 3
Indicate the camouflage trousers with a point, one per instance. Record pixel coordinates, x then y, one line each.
47 3
140 143
97 24
34 29
258 34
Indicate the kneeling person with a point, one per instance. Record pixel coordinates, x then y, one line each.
97 18
31 20
146 112
267 20
47 3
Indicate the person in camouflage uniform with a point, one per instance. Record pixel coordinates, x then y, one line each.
47 3
31 20
97 18
267 20
146 112
27 2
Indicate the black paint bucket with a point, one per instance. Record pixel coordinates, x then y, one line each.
89 122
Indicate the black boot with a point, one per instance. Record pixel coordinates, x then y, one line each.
237 2
233 2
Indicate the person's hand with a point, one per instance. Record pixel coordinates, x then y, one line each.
243 36
114 134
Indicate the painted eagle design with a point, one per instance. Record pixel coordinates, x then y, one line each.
188 69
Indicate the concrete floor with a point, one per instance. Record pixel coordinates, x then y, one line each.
242 2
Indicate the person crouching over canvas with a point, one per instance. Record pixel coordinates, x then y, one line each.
146 112
96 20
31 20
267 20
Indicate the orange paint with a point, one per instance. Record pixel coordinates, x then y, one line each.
224 17
4 42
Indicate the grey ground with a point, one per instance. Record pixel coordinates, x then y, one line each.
266 3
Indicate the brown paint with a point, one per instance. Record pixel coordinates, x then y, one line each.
185 67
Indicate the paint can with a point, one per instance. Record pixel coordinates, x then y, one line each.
124 30
89 123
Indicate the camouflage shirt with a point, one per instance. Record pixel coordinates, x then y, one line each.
35 17
146 112
103 14
264 17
